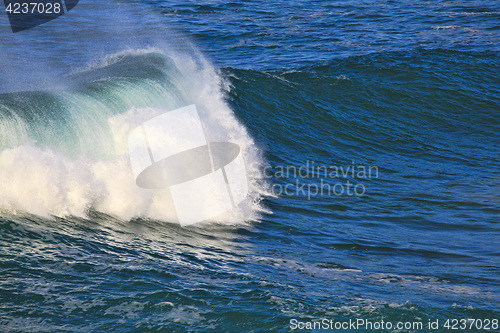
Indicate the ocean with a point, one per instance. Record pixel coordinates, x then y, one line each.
369 132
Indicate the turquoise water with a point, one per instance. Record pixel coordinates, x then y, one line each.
370 133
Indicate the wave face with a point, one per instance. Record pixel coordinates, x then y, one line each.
65 152
419 104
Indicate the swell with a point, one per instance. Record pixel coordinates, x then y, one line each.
428 103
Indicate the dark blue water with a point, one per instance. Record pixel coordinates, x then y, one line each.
371 134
